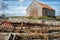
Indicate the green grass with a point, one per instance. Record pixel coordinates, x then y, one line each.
17 17
39 18
46 18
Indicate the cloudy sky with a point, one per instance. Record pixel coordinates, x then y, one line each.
18 7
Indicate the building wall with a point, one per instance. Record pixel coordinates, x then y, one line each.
34 10
48 12
29 9
39 11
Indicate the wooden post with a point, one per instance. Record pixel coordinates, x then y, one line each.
47 37
44 30
22 25
14 36
9 36
35 30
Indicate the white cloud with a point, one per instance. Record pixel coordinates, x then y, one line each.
21 1
17 11
1 12
16 8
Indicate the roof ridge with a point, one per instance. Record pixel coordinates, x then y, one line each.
44 5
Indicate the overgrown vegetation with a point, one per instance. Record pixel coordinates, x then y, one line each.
30 17
39 18
58 18
17 17
46 18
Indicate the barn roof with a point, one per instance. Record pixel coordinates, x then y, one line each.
44 5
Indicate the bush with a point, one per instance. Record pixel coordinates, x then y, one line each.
58 18
30 17
46 18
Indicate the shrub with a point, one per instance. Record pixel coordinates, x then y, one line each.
46 18
30 17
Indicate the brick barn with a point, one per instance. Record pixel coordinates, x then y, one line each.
37 9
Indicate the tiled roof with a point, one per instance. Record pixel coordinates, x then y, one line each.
44 5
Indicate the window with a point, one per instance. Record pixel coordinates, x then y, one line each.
45 13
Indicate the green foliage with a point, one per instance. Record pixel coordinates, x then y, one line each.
46 18
43 18
30 17
58 18
17 17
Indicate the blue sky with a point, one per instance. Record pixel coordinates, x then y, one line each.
18 7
